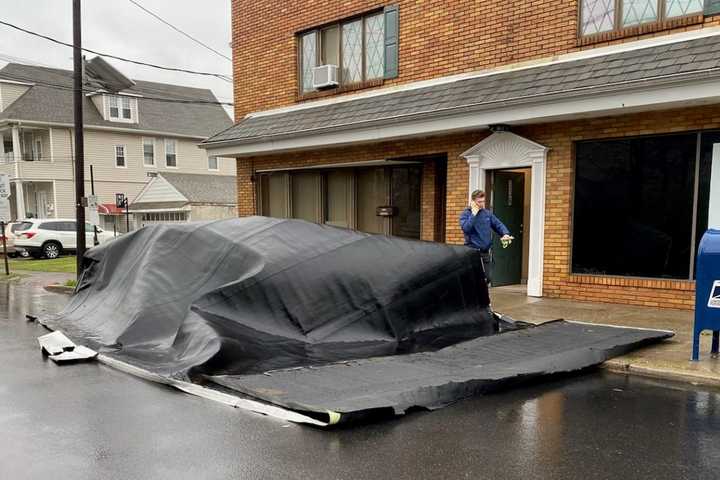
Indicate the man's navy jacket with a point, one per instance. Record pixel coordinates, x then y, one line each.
478 228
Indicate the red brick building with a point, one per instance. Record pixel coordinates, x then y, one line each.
591 124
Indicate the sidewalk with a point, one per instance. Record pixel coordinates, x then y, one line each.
670 359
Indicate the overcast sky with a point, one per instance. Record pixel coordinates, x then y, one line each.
121 28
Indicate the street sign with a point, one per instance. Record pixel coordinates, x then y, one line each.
4 185
4 209
120 200
91 214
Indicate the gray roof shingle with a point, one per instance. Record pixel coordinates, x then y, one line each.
198 188
48 104
698 58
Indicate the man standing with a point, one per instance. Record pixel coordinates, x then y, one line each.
477 224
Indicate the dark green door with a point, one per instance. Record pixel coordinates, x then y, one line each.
508 197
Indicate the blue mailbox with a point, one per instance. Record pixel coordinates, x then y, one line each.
707 291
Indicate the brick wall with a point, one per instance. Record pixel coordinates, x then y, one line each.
453 145
437 38
559 137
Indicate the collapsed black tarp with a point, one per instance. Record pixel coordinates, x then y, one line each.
248 295
225 301
395 384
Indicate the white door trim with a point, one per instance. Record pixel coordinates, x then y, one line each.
509 150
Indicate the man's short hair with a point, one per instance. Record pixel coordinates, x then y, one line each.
477 194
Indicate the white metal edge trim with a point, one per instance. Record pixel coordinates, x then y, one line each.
714 203
214 395
568 57
369 163
186 208
13 82
6 121
620 326
597 105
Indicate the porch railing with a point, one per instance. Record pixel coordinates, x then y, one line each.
9 157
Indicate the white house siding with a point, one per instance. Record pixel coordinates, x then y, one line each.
10 92
212 212
161 191
109 179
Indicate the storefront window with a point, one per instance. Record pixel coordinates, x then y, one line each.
707 142
633 208
347 197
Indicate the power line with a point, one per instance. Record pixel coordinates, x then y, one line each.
179 30
57 86
6 57
226 78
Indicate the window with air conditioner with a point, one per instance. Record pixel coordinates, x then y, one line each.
350 52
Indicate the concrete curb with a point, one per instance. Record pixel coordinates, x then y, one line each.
60 289
666 373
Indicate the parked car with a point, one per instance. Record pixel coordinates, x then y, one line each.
11 232
50 238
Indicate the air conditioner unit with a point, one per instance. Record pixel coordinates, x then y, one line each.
325 76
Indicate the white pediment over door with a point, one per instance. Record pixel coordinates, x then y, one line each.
504 150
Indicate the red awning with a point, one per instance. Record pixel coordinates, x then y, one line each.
109 209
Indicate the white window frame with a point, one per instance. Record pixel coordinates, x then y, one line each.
37 150
217 163
318 53
124 156
619 27
173 142
149 141
119 102
110 99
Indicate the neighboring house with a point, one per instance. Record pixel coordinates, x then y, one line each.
132 129
183 197
591 124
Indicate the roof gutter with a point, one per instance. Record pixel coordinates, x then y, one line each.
11 121
655 92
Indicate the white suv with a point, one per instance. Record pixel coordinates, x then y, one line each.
49 238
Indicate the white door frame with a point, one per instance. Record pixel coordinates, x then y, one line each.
505 150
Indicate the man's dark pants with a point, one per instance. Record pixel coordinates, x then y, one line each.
487 261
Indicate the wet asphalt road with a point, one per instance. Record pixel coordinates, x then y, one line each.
91 422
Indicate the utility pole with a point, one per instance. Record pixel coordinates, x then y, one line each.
78 101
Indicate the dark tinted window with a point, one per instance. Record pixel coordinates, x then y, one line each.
54 226
68 226
20 226
633 206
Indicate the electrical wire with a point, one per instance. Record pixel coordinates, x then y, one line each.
179 30
57 86
226 78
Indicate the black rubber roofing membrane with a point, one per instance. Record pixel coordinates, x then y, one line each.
328 322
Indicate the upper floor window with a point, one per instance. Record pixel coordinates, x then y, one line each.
121 109
599 16
120 156
149 152
362 49
213 163
170 153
